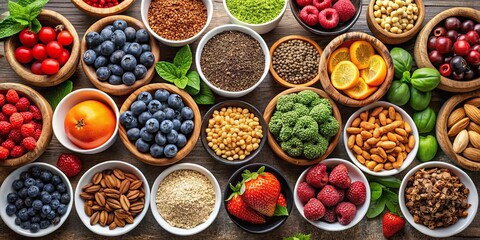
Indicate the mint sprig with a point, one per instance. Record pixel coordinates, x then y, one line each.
384 193
55 94
23 14
180 75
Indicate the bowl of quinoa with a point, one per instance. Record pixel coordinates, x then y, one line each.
185 199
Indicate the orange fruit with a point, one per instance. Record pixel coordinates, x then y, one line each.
341 54
375 73
360 53
345 75
361 90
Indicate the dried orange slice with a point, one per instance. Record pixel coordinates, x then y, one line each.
375 73
345 75
360 53
360 91
341 54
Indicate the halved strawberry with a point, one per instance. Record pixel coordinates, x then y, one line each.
238 208
260 191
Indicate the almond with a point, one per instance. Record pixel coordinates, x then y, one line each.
472 112
461 141
93 189
119 173
473 127
474 101
111 217
131 177
88 210
459 126
124 186
135 184
100 198
103 183
472 154
120 222
137 206
94 218
97 178
474 138
103 218
132 195
113 193
97 208
112 226
86 196
455 116
87 186
124 202
120 213
113 203
129 219
110 182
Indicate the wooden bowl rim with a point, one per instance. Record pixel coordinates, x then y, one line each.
65 72
192 140
441 130
280 80
381 50
122 89
274 144
422 60
103 12
47 130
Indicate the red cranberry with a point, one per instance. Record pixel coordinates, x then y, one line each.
453 23
473 58
458 76
468 74
461 48
477 28
476 47
445 70
444 45
439 32
467 26
461 37
431 44
472 37
435 57
452 34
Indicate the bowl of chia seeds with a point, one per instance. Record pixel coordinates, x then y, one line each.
261 16
232 60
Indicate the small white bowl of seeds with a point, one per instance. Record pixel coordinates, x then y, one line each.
185 199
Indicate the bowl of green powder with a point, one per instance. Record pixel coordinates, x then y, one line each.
261 16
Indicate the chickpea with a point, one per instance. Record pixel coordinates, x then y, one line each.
396 13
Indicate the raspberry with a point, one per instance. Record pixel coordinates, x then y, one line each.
328 196
4 153
8 144
322 4
330 215
15 135
357 193
23 104
3 117
346 10
16 120
5 127
27 116
339 177
328 18
341 194
305 192
36 112
303 3
309 15
345 212
17 151
69 164
317 176
314 210
12 96
29 143
8 109
37 134
2 99
27 130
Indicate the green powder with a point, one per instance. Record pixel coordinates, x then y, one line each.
255 11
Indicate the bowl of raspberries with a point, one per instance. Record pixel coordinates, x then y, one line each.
326 17
333 195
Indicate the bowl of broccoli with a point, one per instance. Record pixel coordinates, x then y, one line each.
304 125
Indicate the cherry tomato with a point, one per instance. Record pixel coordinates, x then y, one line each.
23 54
50 66
47 34
54 49
37 68
461 48
39 51
28 38
64 57
65 38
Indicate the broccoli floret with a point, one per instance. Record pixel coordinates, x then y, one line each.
306 96
293 147
275 126
305 128
319 101
301 109
320 113
277 114
285 102
285 134
290 118
315 147
329 127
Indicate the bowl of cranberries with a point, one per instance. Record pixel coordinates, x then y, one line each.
103 8
46 58
450 42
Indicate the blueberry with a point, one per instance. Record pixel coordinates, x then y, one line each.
26 225
117 56
49 188
172 137
97 50
52 214
142 146
146 97
166 126
34 227
18 221
119 25
145 135
56 221
12 197
138 107
146 48
46 176
37 205
56 179
142 36
128 62
29 182
54 204
56 195
93 39
17 184
39 184
140 71
61 188
152 125
164 106
118 38
62 209
135 49
43 192
187 127
109 27
174 100
31 212
33 191
128 78
24 175
116 69
107 48
101 61
169 113
154 106
133 134
126 46
161 95
176 124
147 59
65 199
143 117
187 113
128 120
46 198
159 115
106 33
11 209
44 224
22 214
103 73
156 151
28 202
35 171
46 209
89 57
170 150
35 219
23 193
130 33
160 139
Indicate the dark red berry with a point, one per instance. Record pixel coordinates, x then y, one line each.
453 23
445 70
444 45
432 43
440 32
435 57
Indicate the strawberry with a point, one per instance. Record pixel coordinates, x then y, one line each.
238 208
29 143
357 193
16 120
12 96
260 191
339 177
69 164
4 152
23 104
317 176
281 201
392 224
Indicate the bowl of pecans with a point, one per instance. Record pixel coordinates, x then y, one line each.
111 197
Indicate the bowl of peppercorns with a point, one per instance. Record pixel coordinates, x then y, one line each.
97 8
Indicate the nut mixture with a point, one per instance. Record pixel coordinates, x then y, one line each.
177 19
185 198
296 61
233 133
113 198
464 129
436 198
380 139
397 16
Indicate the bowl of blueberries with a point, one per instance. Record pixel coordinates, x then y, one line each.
36 199
159 124
118 55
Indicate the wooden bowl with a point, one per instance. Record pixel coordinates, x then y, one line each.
146 157
90 72
48 18
102 12
441 130
270 109
44 140
421 52
280 80
391 38
325 76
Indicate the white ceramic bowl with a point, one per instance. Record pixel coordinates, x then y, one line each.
410 156
86 178
356 175
462 222
6 188
259 28
175 43
232 27
211 218
71 100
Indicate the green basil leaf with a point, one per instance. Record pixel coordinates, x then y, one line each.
390 182
191 91
376 190
376 208
35 8
280 211
181 82
183 59
205 96
168 71
35 25
55 94
9 27
392 207
389 195
193 81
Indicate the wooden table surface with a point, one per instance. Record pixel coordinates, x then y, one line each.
222 227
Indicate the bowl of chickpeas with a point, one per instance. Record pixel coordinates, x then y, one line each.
395 21
233 132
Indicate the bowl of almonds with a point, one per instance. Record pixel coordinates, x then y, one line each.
381 139
110 198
